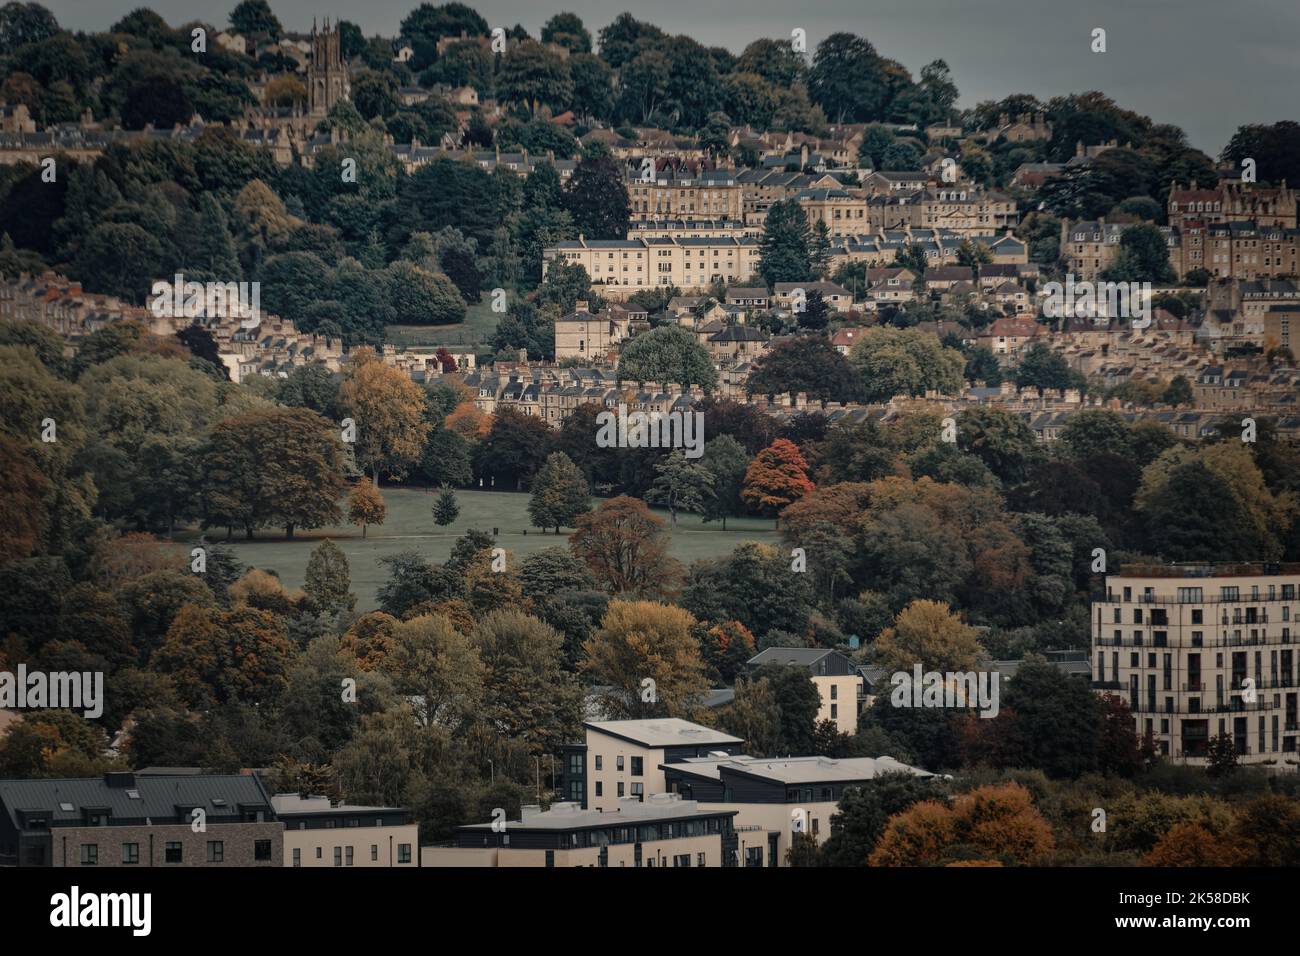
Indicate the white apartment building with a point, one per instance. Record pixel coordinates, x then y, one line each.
1202 650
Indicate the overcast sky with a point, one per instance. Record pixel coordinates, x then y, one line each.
1205 65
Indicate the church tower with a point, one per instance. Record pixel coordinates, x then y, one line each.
327 75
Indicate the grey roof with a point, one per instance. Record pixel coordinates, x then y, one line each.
570 816
796 770
806 656
157 797
662 732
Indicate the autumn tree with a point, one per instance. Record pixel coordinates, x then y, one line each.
560 493
626 548
998 822
221 656
328 579
777 476
1190 844
387 409
366 506
438 668
929 634
647 655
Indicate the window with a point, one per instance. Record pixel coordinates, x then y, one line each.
600 789
699 859
618 763
261 849
600 762
637 766
374 852
90 854
338 856
638 790
318 849
216 851
349 856
172 852
620 788
403 853
130 853
297 857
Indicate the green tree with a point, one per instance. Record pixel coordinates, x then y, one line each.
784 247
596 197
905 361
445 509
668 354
726 460
560 493
253 18
680 484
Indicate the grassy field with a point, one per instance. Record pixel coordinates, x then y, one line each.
480 322
410 526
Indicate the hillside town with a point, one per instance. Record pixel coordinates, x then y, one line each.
470 446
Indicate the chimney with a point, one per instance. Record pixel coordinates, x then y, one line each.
580 305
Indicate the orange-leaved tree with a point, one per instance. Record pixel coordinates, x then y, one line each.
777 476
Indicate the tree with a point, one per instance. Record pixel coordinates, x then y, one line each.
808 364
24 23
328 579
929 634
567 30
1221 756
560 493
680 484
642 641
725 459
276 466
626 548
388 413
784 247
528 695
864 812
1197 516
1178 392
445 509
997 823
366 506
1143 257
253 18
420 297
221 656
1190 844
847 79
905 362
23 491
596 197
668 354
514 449
777 476
1043 367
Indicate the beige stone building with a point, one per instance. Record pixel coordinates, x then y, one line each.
710 195
620 267
593 337
1199 651
317 833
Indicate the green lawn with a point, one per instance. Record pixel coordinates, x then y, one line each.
410 526
480 322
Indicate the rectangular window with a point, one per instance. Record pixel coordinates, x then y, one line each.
172 852
403 853
90 854
600 762
130 853
297 857
216 851
374 852
261 849
349 856
637 766
338 856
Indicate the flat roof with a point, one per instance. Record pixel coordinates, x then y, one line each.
796 770
571 816
662 732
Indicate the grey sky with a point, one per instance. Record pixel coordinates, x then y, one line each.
1204 65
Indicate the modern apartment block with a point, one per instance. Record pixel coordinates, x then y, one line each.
777 798
622 758
124 819
1202 650
317 833
664 830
